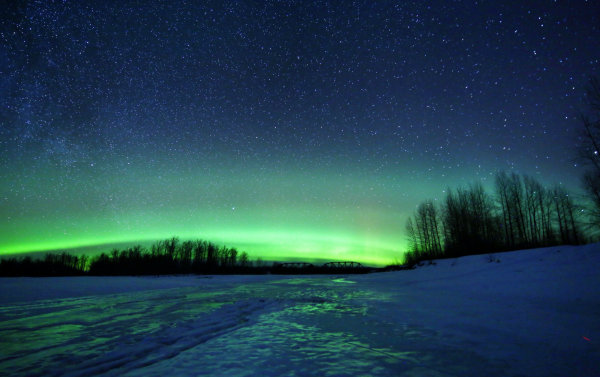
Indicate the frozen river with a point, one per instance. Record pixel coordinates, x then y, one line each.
311 326
440 321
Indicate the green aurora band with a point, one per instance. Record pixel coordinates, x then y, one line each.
349 214
323 209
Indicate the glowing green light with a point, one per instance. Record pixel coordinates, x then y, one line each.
296 216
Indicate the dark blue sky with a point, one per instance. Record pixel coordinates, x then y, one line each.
308 114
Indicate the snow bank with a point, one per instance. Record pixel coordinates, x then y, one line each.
532 309
525 313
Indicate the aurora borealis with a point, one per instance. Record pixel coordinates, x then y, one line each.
289 129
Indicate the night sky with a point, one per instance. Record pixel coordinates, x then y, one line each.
288 129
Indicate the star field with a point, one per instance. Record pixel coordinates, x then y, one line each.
289 129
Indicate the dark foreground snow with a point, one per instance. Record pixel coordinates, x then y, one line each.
536 313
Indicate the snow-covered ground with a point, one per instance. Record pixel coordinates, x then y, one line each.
534 313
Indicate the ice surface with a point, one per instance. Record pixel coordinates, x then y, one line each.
524 316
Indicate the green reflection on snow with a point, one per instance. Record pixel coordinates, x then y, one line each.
311 326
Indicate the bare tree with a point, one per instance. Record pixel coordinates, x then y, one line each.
591 185
200 252
590 148
171 247
413 240
244 260
565 216
503 196
427 221
424 233
589 152
470 224
185 253
538 212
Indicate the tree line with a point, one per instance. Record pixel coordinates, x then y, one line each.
521 214
170 256
62 264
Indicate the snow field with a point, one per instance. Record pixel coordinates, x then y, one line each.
534 313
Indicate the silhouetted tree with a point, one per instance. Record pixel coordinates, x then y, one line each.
59 264
171 247
212 255
244 260
527 215
589 152
591 185
590 147
565 216
539 210
413 240
428 228
185 255
509 191
470 224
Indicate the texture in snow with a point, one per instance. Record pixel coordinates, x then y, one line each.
533 313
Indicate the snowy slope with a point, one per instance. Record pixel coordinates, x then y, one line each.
534 313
